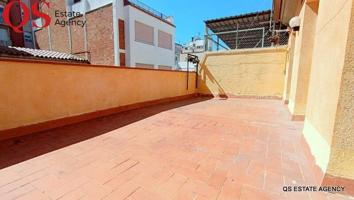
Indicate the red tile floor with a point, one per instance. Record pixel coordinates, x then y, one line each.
195 149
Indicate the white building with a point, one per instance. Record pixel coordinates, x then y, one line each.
194 47
149 35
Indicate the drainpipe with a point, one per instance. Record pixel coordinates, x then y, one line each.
187 71
49 39
69 29
115 32
85 30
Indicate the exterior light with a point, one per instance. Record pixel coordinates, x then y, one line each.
295 23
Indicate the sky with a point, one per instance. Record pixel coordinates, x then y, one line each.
189 15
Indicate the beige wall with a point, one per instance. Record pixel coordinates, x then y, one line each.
31 92
289 68
302 59
329 116
257 72
342 154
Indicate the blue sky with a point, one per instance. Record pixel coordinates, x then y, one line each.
189 15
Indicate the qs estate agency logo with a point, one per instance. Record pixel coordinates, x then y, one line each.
26 15
62 18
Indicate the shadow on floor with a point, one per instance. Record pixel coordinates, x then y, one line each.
16 150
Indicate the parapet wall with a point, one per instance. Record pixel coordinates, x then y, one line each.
33 93
244 73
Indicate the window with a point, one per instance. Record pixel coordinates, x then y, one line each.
122 59
77 1
121 34
165 40
144 33
1 11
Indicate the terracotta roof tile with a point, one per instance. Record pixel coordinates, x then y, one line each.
39 53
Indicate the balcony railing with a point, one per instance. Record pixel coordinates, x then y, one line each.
146 8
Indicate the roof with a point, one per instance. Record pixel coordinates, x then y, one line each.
249 28
21 52
243 20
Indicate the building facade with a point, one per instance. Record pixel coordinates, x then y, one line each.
8 37
110 32
194 47
5 39
319 82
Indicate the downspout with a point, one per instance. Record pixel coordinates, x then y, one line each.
50 38
115 33
187 71
69 29
85 30
270 19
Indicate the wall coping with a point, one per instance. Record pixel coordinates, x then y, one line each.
22 60
246 51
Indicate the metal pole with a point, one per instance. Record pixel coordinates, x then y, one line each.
271 18
217 43
187 71
206 39
242 30
263 38
196 75
236 46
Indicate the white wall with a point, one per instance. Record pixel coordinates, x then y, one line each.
90 5
143 53
135 52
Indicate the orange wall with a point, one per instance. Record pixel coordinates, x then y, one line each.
32 93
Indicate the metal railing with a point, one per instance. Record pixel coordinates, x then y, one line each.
148 9
246 38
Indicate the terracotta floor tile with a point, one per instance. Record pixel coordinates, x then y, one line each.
230 191
218 179
249 193
34 194
232 149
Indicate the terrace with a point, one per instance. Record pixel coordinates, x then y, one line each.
96 135
198 148
249 124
